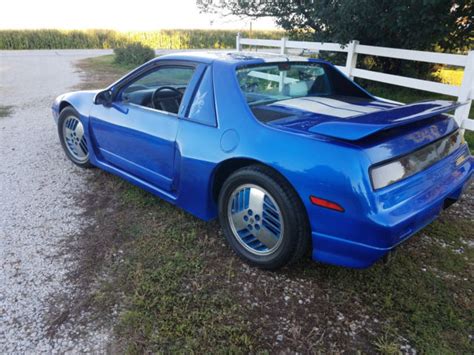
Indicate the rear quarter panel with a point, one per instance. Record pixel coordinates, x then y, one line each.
313 166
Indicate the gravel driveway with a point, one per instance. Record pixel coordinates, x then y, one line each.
38 190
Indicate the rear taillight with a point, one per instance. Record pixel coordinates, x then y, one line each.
387 173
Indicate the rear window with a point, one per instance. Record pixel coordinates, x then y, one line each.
271 89
274 82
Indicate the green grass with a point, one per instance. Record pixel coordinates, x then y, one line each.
424 292
180 288
469 136
107 63
171 303
5 111
101 71
178 297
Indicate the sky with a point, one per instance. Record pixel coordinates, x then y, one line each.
131 15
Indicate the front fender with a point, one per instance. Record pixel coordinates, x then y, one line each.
81 101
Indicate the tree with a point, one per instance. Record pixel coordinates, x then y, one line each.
444 25
411 24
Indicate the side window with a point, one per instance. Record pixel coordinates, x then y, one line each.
162 89
202 109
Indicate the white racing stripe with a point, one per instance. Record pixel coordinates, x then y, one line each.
327 106
313 106
345 105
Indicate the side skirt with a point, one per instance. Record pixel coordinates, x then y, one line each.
136 181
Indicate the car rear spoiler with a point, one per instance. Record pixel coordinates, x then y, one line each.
360 126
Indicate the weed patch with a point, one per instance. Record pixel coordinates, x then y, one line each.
5 111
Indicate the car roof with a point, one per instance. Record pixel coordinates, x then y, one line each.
231 57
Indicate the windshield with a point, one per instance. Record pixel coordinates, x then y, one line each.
273 82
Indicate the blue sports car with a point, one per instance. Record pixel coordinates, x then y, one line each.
289 153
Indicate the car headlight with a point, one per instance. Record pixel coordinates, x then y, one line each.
403 167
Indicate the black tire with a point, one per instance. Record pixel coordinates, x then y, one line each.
295 236
65 114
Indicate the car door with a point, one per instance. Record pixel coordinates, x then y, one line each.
137 132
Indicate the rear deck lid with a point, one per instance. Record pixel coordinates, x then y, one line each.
353 120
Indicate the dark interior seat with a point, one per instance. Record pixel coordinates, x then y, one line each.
169 104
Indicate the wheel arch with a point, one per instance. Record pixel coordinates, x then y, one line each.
227 167
63 104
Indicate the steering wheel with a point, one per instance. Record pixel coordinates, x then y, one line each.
155 100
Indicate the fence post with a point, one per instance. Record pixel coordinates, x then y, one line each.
466 93
351 61
283 45
238 46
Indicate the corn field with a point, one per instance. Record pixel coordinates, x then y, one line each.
163 39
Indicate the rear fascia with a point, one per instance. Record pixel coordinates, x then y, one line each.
394 214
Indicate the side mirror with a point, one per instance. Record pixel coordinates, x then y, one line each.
103 98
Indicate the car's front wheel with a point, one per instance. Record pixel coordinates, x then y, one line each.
72 137
262 218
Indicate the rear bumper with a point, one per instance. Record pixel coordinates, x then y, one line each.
398 212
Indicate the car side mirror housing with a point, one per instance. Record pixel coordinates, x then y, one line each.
103 98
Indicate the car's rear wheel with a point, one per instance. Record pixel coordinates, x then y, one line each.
72 137
262 218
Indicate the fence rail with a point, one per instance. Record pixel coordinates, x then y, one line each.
464 93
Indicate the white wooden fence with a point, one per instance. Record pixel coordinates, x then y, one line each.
464 93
